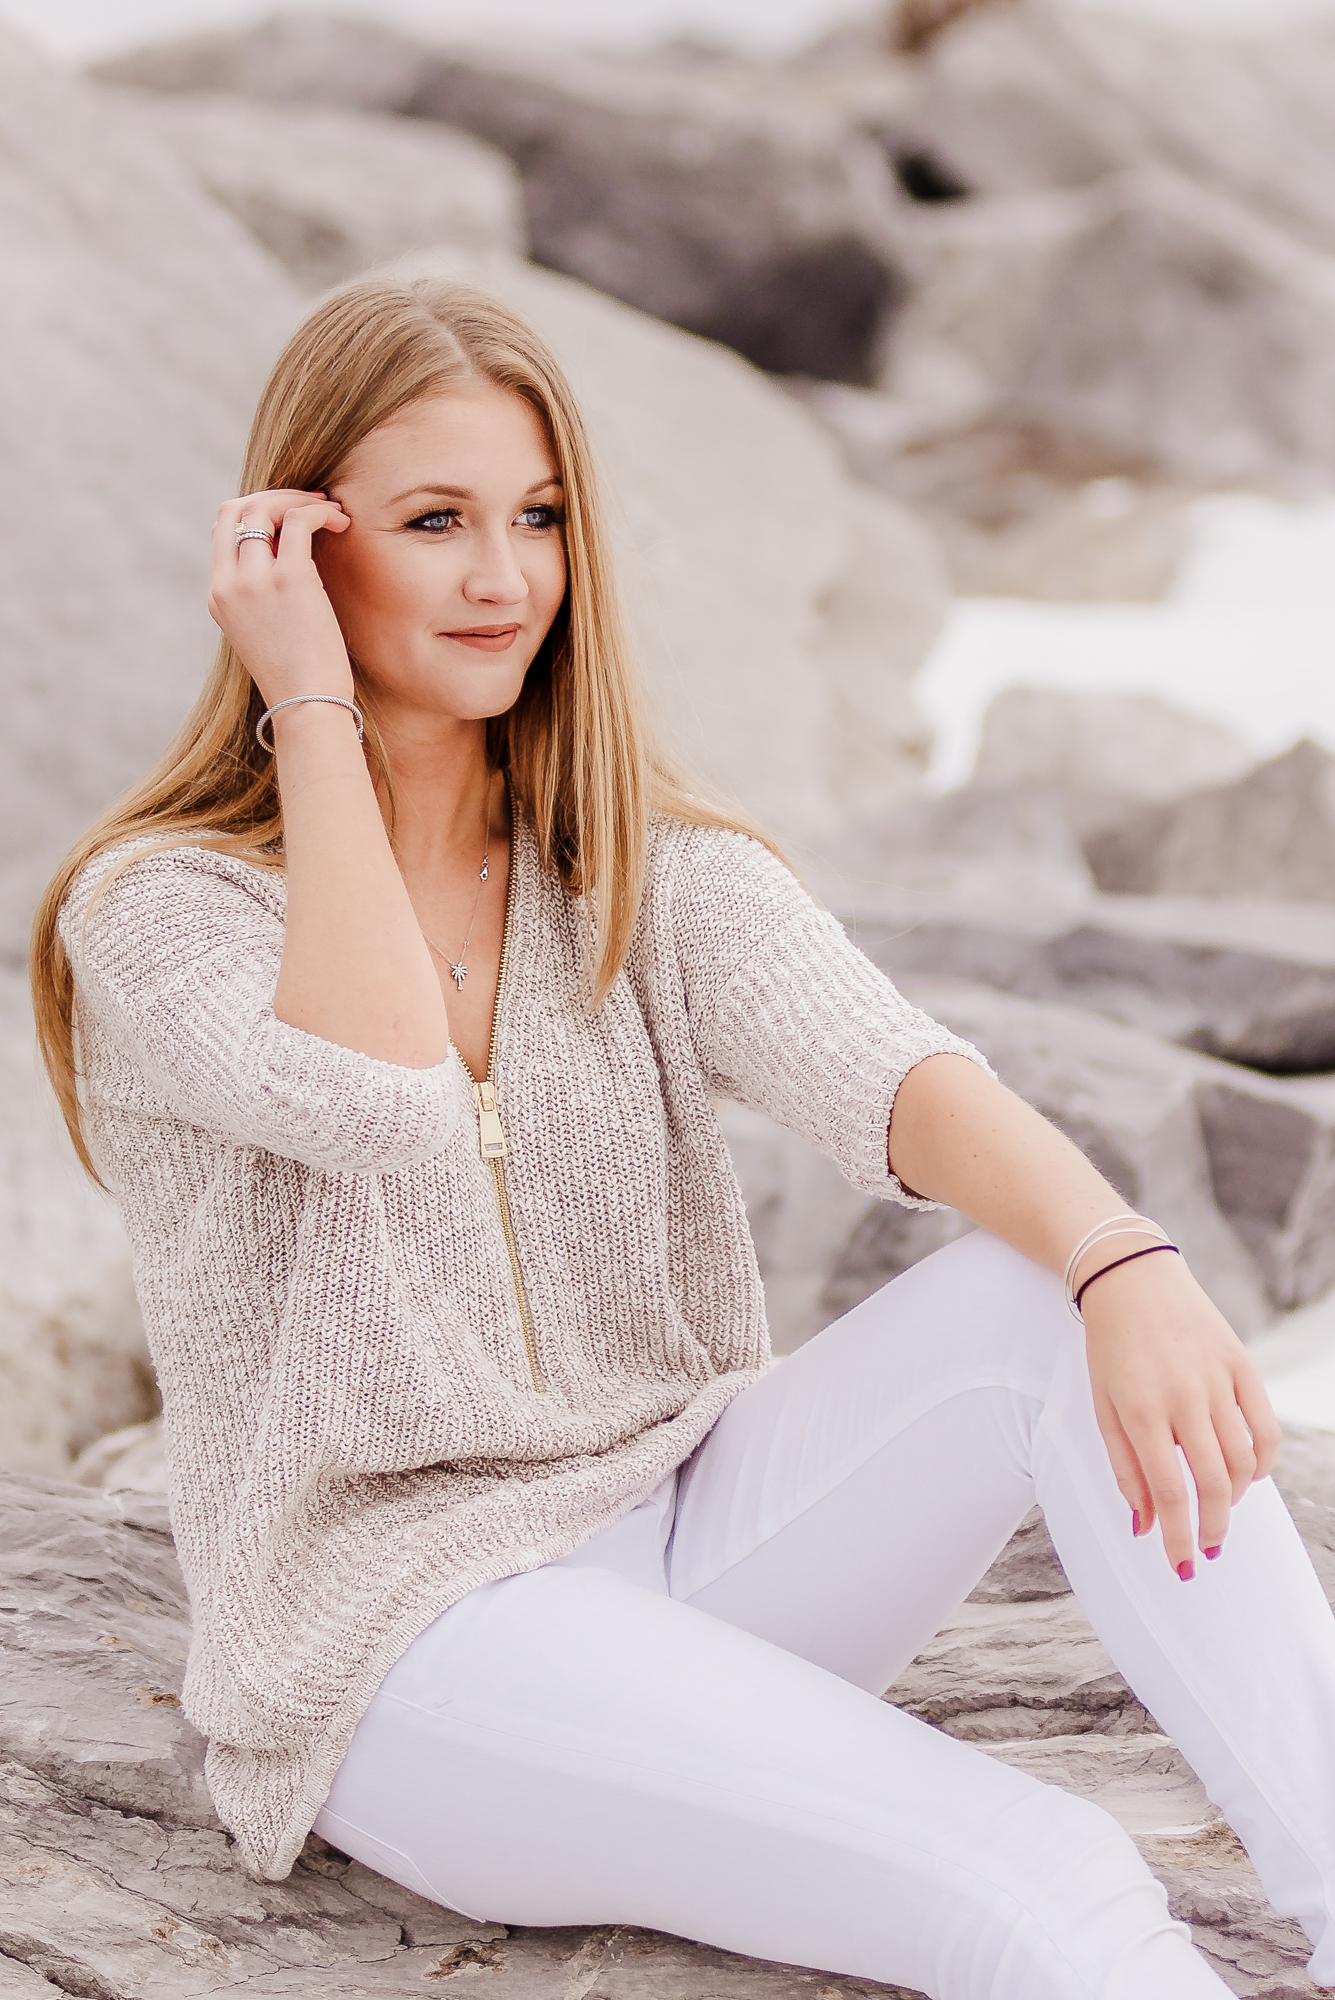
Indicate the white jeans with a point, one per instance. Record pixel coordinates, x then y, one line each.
679 1726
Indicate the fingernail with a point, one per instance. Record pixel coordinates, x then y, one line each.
1135 1520
1217 1550
1186 1570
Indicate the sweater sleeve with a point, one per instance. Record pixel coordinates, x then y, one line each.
176 959
788 1016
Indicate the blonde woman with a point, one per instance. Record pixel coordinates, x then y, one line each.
394 1006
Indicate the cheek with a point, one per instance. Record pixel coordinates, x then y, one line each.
365 583
546 578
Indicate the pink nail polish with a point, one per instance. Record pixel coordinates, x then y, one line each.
1217 1550
1186 1570
1135 1520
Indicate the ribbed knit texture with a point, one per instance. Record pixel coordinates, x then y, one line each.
353 1436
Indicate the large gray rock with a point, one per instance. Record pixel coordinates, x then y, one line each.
1037 95
118 1880
1103 753
141 320
760 227
1271 834
1240 1168
332 193
1251 983
1153 324
980 845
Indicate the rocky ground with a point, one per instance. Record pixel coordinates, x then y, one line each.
118 1882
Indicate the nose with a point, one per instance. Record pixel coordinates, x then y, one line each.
494 575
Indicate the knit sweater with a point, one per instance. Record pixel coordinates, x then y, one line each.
356 1433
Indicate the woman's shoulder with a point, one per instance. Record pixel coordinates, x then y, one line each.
710 882
152 880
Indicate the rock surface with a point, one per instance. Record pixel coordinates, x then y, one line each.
1038 96
118 1881
1240 1168
761 230
1103 753
141 321
1250 983
1271 834
331 193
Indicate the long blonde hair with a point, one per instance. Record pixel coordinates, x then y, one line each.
575 745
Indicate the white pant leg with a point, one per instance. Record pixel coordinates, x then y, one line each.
570 1747
843 1506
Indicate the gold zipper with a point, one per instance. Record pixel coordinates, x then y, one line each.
491 1134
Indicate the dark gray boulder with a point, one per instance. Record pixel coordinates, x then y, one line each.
1229 981
755 223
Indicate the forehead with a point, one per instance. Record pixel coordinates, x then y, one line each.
475 428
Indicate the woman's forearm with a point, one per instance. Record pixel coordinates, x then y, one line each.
960 1137
356 969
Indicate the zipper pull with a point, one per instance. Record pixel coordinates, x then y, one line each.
490 1135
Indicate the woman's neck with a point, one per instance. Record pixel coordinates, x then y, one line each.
446 800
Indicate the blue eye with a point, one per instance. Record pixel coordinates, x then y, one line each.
437 521
539 517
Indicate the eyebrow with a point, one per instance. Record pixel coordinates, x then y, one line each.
462 492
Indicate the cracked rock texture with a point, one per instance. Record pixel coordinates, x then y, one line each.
116 1881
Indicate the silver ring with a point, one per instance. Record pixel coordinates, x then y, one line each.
254 535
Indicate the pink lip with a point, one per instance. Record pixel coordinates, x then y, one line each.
486 638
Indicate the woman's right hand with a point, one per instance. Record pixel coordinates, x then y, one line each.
268 599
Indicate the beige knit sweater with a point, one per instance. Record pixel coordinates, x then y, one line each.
355 1436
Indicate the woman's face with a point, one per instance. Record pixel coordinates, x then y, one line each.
448 580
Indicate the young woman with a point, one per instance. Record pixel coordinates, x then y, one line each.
513 1570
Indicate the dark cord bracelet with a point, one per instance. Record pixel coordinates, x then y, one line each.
1119 1261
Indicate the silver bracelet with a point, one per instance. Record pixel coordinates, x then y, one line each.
291 702
1126 1224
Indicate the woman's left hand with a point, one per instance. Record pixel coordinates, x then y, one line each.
1167 1371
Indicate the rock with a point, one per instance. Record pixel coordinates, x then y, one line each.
1020 513
118 1879
780 663
759 227
976 846
1002 1672
1102 753
73 1359
1037 96
132 1460
1271 834
1239 1168
1179 330
331 193
142 320
1249 982
1147 326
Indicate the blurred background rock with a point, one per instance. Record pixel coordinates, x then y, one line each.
950 315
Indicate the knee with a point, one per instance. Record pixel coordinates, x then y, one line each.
979 1288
